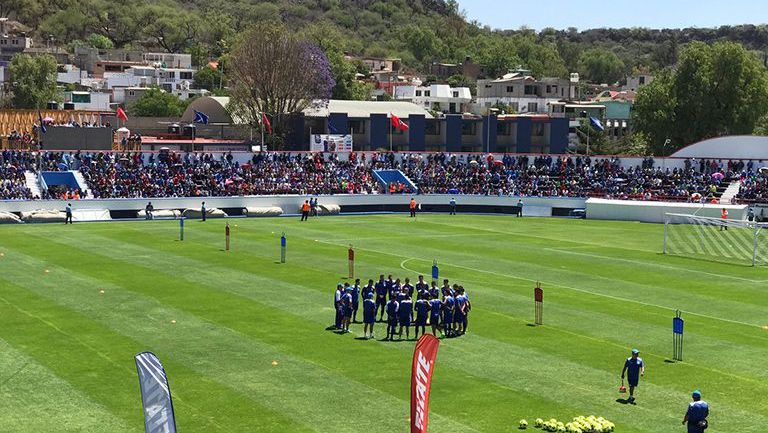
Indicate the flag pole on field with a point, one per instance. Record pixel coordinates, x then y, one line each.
226 235
181 228
351 257
538 303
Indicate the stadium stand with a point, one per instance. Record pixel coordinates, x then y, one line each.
150 175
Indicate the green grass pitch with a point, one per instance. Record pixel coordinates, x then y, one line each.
66 350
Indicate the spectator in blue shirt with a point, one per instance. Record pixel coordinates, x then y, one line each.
697 413
633 368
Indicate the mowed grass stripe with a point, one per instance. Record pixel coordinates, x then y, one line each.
307 390
27 387
99 363
188 266
653 338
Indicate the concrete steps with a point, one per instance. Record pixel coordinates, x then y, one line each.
33 183
730 192
82 183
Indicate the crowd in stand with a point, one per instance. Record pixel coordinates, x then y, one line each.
21 140
137 175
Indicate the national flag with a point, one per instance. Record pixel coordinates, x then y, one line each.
421 378
155 394
121 114
331 128
42 123
398 124
200 117
597 124
266 123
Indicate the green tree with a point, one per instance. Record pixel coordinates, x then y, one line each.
715 90
344 73
209 78
33 81
601 66
157 103
100 41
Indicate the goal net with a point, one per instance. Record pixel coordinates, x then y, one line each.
731 241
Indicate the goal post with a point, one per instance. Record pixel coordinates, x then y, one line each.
732 241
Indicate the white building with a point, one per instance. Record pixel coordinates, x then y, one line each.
93 101
169 60
522 92
437 97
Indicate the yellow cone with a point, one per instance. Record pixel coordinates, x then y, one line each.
173 321
274 363
101 291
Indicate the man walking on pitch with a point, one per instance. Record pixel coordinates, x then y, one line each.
452 204
412 207
305 210
634 368
697 413
148 210
519 208
724 217
69 214
203 210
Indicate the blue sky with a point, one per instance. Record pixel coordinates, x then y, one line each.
585 14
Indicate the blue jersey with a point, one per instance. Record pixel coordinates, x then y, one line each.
434 292
422 307
406 310
355 294
697 411
388 284
367 290
392 308
633 367
381 289
346 300
409 289
394 291
434 307
461 303
422 287
369 306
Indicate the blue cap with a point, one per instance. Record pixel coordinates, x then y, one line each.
696 394
635 351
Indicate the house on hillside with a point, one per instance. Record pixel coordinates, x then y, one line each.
522 92
440 98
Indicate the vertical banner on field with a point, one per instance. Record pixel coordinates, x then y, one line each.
538 302
331 143
351 257
421 378
677 336
155 394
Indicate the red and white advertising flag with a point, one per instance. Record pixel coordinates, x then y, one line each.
421 378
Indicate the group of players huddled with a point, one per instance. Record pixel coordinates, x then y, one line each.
445 309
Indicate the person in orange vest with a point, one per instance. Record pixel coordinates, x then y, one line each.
392 188
412 206
305 210
724 217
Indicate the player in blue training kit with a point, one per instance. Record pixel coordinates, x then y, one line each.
394 290
434 292
369 315
634 368
346 305
405 315
422 312
422 287
392 309
448 305
355 299
408 288
368 289
697 413
381 297
435 305
460 313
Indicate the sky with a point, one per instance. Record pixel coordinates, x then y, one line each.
586 14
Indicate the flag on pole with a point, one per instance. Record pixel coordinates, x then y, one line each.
121 114
421 378
155 394
266 123
398 124
42 123
597 124
200 117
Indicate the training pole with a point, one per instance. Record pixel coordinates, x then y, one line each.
181 228
282 248
435 271
351 257
677 336
538 303
226 235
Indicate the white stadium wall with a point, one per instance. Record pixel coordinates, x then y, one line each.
653 212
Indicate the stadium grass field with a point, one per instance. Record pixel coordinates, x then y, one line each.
66 350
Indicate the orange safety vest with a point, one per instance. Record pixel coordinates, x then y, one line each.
413 204
724 214
305 207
